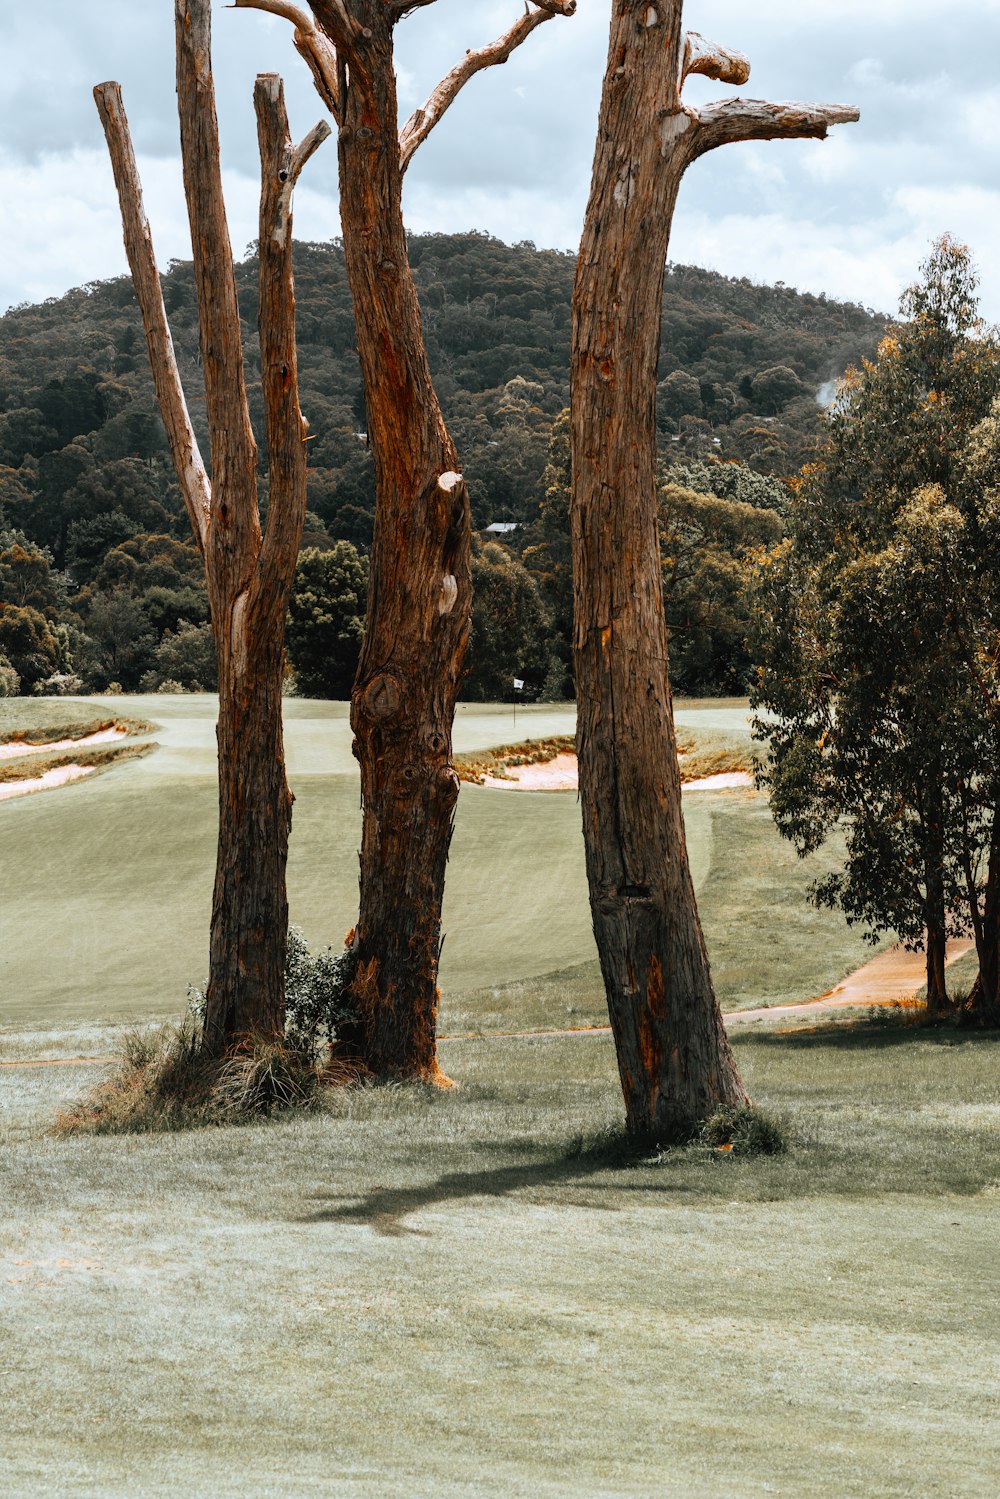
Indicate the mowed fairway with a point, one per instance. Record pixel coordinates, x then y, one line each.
107 883
469 1292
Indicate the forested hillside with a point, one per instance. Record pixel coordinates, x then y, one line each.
86 477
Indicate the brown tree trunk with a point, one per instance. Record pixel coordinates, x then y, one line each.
673 1056
420 593
935 913
420 581
248 576
982 1008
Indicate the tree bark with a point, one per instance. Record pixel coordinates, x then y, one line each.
249 577
982 1008
673 1056
420 593
420 581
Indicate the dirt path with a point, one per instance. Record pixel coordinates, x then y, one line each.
894 976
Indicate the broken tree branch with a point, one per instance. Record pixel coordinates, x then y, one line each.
310 42
708 58
757 120
420 124
234 450
287 429
188 463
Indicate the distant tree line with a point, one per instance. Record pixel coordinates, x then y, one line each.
100 584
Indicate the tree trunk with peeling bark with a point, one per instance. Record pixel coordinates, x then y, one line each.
674 1059
249 575
420 581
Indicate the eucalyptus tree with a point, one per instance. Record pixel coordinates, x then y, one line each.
878 634
674 1060
248 571
420 588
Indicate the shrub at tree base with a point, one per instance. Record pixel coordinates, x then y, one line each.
165 1082
744 1130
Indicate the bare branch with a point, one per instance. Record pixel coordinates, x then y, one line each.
720 63
420 124
400 9
190 469
234 451
756 120
311 43
280 165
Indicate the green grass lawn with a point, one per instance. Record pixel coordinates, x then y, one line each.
465 1293
469 1293
107 883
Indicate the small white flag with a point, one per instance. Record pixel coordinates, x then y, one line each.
518 684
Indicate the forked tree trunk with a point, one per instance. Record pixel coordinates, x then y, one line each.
248 576
673 1056
420 580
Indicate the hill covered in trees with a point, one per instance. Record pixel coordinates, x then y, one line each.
87 488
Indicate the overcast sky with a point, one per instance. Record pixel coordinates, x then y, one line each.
851 216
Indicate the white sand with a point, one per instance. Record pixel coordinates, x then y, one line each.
561 774
49 778
16 749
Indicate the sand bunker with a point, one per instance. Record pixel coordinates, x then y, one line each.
16 749
561 774
49 778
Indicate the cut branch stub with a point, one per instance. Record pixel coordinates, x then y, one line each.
708 58
733 120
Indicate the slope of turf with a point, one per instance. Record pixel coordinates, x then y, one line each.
107 884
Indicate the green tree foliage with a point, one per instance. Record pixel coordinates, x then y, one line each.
875 627
30 645
704 541
547 555
326 620
84 470
185 657
511 629
120 643
10 681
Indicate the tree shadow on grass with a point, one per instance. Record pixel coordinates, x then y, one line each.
880 1034
384 1209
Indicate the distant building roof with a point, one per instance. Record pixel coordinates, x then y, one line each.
501 527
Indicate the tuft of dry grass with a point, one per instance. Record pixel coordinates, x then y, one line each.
165 1082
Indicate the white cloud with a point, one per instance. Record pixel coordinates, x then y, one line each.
851 216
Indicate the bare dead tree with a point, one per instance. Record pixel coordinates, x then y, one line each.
249 574
420 596
674 1060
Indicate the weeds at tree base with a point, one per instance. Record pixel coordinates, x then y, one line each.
743 1130
165 1082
